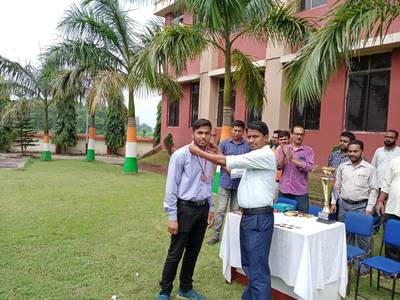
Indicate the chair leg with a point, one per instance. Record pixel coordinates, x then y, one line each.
358 281
378 280
349 279
394 287
370 276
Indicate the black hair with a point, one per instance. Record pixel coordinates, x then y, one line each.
298 126
357 142
199 123
258 125
349 135
238 123
278 132
284 133
394 131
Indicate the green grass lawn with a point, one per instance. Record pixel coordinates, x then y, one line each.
78 230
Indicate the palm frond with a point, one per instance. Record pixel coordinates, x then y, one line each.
347 27
106 85
21 76
249 79
282 26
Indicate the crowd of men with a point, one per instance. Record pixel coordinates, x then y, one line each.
256 171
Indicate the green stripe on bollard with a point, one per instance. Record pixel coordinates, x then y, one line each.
90 155
130 165
46 156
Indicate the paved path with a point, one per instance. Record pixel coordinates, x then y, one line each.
110 159
12 161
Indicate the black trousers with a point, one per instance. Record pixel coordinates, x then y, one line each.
391 252
192 225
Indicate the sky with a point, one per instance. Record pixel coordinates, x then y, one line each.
27 27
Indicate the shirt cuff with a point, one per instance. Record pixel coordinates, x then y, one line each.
172 217
230 160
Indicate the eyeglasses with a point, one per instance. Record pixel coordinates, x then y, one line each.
298 134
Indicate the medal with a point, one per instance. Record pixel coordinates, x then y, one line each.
203 170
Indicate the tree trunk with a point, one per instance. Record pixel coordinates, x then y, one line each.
130 164
227 111
46 154
90 155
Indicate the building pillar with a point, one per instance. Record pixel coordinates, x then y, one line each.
276 111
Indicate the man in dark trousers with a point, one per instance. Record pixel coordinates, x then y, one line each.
190 207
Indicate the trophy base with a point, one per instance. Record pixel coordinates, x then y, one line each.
326 218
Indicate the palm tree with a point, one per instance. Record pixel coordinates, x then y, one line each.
103 42
219 24
31 83
348 25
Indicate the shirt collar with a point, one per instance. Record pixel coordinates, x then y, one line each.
230 140
300 148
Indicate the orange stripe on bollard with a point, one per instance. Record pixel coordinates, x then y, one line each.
92 132
131 134
46 139
225 132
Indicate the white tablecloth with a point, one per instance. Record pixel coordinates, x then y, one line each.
306 258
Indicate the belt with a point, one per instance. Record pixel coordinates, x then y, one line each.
192 203
257 210
355 202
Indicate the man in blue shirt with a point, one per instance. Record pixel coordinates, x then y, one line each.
190 207
229 181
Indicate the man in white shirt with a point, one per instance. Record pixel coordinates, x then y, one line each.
390 191
255 197
381 162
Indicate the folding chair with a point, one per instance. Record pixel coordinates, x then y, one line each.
390 267
360 225
314 210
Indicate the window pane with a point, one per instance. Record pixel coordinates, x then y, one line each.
382 60
378 101
254 115
194 113
356 102
312 116
360 63
297 116
316 3
173 113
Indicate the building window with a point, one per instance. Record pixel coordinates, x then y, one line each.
368 93
194 103
177 17
307 4
254 115
173 113
220 113
306 115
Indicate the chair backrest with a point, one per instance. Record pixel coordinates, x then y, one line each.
359 223
391 234
287 201
314 210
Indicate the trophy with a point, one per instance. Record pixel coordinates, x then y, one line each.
326 216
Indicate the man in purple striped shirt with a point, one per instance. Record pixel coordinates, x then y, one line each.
295 160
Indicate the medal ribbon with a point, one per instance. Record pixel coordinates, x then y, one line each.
203 171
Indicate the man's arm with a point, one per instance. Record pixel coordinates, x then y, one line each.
373 191
217 159
307 165
174 176
386 184
282 152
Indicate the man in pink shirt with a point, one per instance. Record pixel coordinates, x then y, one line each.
295 160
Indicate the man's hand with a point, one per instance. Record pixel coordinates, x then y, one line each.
211 219
368 212
285 150
333 208
380 208
195 150
213 148
173 227
289 155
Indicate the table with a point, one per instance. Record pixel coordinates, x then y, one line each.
311 261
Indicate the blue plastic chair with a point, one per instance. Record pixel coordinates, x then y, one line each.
360 225
314 210
287 201
390 267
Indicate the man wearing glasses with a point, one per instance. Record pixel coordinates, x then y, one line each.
295 160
